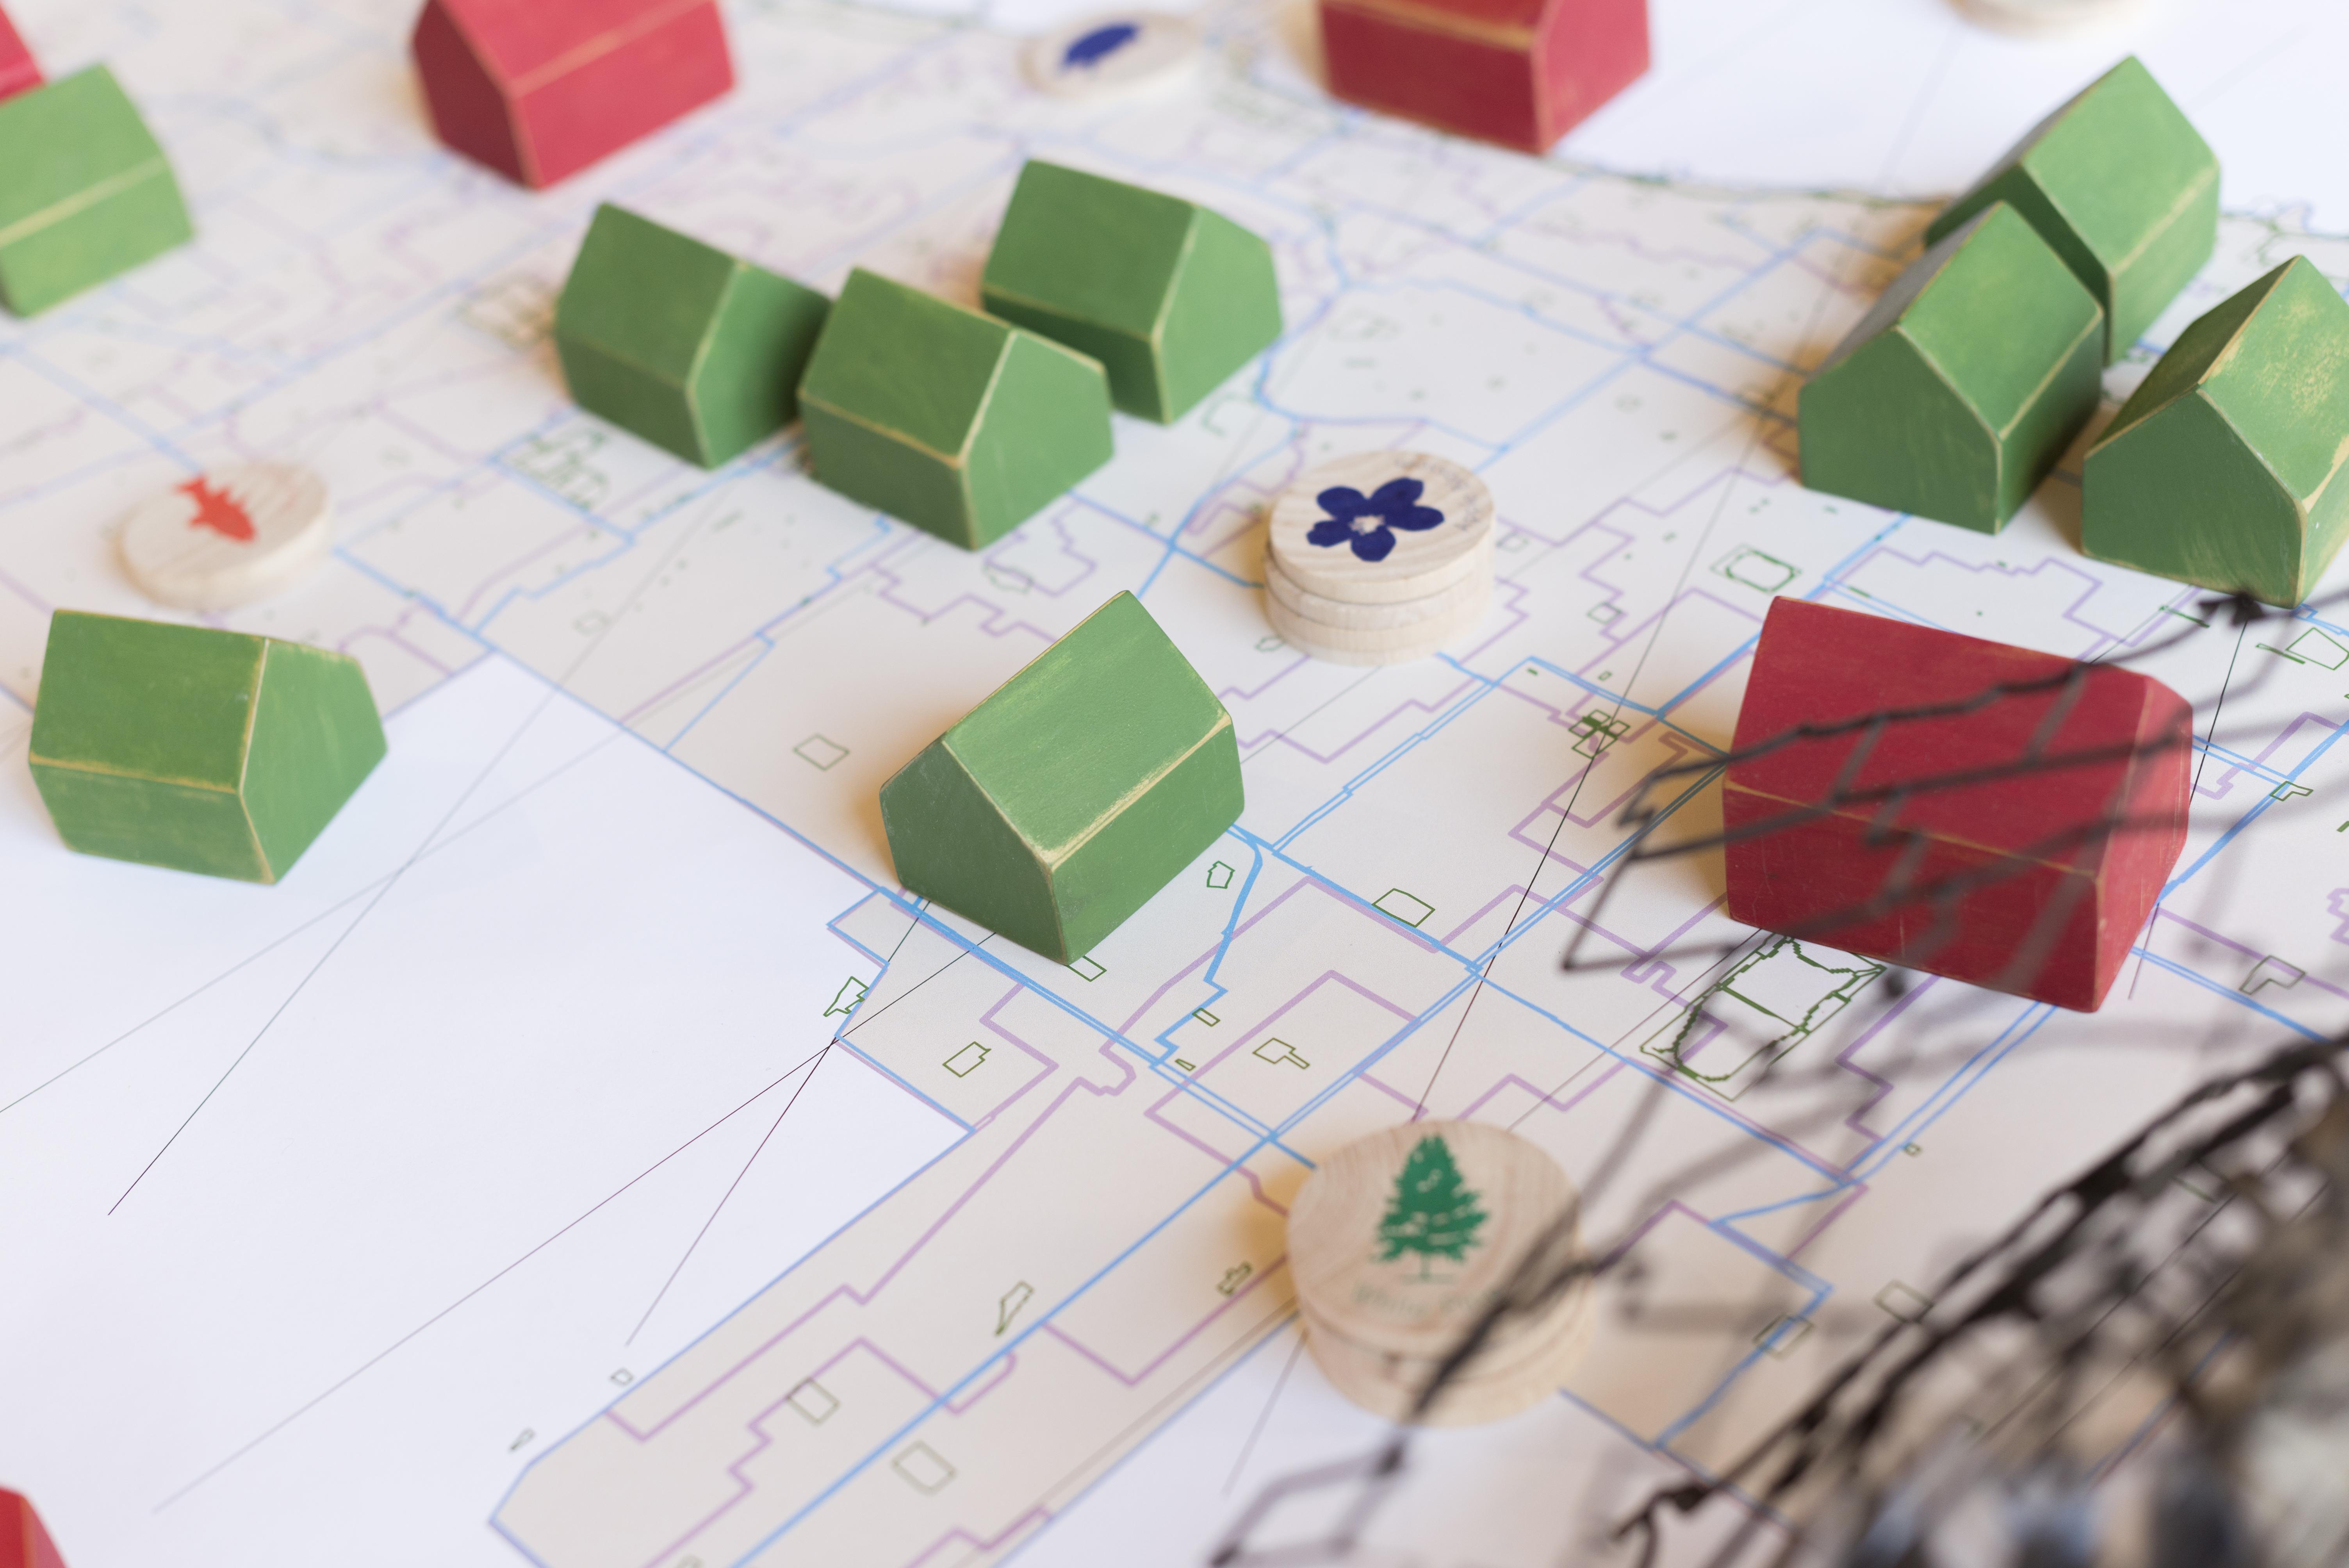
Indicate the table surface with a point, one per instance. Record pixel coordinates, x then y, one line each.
590 1156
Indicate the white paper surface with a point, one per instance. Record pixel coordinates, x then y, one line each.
472 1226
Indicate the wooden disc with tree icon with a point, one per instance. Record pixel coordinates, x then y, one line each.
1403 1244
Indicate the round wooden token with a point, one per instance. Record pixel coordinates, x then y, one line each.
229 537
1406 613
1380 644
1113 53
1400 1242
1378 527
2053 18
1392 1386
1521 1346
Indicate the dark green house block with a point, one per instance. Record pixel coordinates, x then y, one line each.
957 422
1170 297
201 750
85 191
679 342
2225 467
2122 185
1062 804
1957 393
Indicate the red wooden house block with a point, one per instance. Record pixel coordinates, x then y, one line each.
23 1542
2031 860
1519 72
539 90
18 70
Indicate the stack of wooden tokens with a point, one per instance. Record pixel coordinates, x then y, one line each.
230 537
1115 56
1401 1242
1379 558
2054 18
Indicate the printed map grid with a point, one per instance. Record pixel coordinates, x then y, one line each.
945 1377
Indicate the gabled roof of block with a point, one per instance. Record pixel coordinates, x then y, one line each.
525 42
1095 720
90 133
961 352
645 293
1944 299
195 719
2118 160
1510 24
1110 254
1819 665
2267 358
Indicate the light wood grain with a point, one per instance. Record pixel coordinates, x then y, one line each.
1398 1252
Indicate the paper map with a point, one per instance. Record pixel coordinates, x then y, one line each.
589 1156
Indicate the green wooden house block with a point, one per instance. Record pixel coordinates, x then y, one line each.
2225 467
1170 297
957 422
2122 185
696 351
197 750
1957 393
85 191
1056 808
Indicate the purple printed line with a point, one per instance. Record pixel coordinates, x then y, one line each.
1194 1332
1037 1515
1109 1053
1264 1028
2099 639
1541 1095
379 634
1652 623
1250 923
1047 1067
1580 236
464 615
1848 1060
2252 953
745 1487
1212 1153
1394 1093
1679 746
1639 1233
2204 931
1706 1030
1230 1162
1513 889
1857 1190
850 1292
1656 975
998 623
2218 787
757 1424
686 680
1429 708
1255 1185
27 594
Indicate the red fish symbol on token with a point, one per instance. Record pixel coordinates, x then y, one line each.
218 510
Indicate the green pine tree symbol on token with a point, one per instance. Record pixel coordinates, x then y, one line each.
1433 1212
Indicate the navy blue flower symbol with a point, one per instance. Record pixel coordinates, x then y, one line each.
1368 522
1098 44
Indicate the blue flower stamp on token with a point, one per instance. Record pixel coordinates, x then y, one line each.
1117 53
1368 522
1383 528
1091 49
